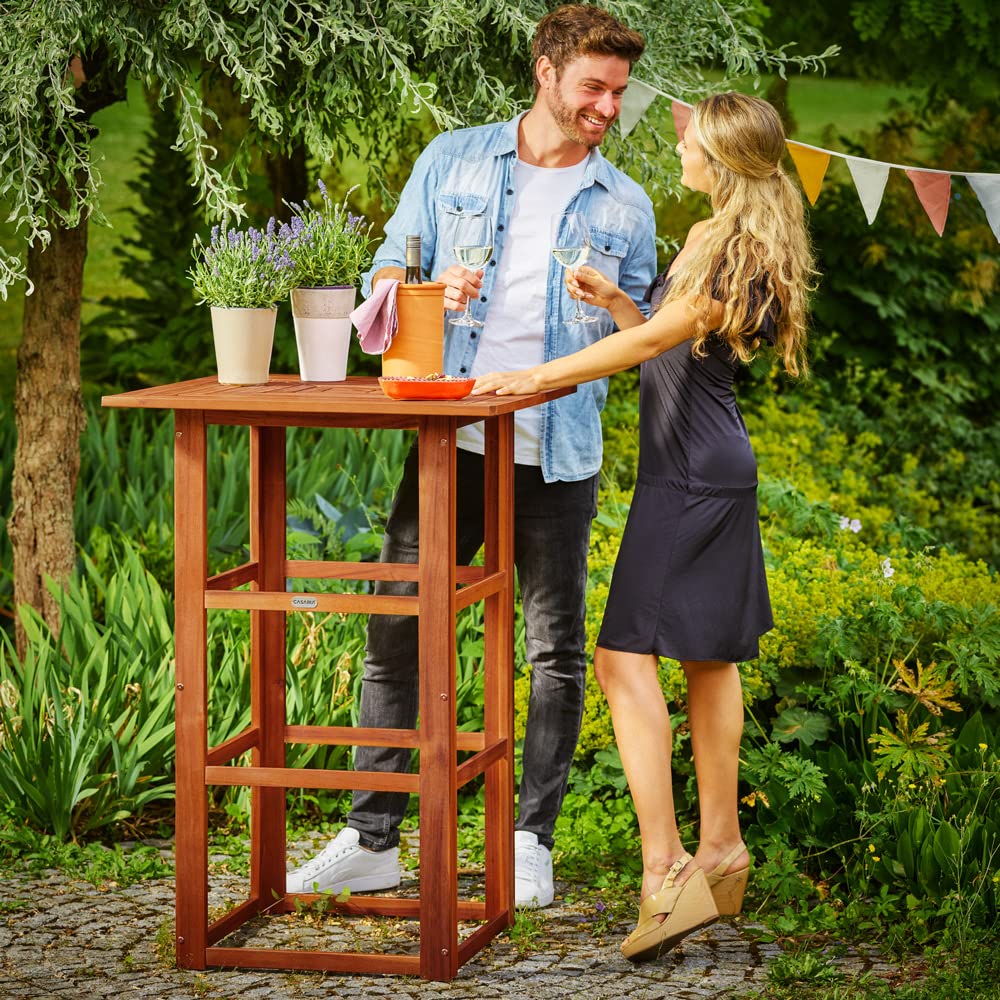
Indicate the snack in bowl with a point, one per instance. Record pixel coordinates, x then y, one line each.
431 386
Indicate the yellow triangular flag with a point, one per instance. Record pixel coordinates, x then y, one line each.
811 165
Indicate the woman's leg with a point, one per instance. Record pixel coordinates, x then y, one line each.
642 730
715 713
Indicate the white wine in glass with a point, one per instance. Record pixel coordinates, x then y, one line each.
473 248
571 248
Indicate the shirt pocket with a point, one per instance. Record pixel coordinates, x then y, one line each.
451 208
607 251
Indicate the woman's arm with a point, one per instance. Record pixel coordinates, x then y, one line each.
674 323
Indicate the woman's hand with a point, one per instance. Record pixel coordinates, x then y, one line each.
460 283
591 286
508 383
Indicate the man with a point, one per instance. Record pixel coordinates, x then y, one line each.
520 173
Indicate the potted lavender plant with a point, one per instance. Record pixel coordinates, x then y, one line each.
242 275
330 247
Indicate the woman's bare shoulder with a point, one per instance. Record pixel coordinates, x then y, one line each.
696 231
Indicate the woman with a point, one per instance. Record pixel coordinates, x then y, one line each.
689 582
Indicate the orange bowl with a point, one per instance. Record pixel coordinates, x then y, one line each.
402 387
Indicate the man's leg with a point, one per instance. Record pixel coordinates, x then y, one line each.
364 854
552 536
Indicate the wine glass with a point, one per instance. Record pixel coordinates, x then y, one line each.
473 247
571 247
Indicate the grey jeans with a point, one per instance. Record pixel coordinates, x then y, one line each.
551 537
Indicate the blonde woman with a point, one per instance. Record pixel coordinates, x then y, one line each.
689 582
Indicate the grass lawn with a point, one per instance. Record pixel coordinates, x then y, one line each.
822 106
825 108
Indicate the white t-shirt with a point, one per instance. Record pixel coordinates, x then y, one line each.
513 336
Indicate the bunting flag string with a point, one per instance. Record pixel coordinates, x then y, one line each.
932 186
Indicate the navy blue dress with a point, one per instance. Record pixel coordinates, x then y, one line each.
689 581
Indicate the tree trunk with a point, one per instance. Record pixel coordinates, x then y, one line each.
48 409
288 177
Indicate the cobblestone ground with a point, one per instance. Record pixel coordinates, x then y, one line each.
65 938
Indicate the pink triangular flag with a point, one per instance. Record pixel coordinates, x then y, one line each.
987 188
934 192
682 115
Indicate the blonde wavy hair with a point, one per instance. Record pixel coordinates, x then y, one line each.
756 237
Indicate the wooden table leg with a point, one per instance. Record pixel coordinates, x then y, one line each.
190 631
438 777
267 662
498 693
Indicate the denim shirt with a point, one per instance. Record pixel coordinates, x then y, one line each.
472 171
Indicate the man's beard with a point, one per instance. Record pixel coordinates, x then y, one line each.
567 118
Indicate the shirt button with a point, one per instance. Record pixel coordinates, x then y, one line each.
510 190
493 263
607 248
483 299
500 228
462 370
472 335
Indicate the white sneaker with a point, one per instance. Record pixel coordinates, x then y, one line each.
532 871
345 864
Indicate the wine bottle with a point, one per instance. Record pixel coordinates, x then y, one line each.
413 276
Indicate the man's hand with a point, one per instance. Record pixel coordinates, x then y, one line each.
509 383
461 284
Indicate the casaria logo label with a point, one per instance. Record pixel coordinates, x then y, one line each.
304 602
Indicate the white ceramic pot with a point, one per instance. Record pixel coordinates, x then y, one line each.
322 319
243 342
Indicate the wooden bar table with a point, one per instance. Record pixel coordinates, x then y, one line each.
442 590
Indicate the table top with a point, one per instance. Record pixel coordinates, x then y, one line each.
288 394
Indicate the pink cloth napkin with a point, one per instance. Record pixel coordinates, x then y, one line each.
376 318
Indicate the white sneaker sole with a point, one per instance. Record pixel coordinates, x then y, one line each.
534 902
365 883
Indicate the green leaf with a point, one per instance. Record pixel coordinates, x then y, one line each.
802 725
947 847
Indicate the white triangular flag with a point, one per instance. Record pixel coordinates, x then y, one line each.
637 97
987 188
869 178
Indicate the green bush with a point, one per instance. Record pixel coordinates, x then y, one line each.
86 734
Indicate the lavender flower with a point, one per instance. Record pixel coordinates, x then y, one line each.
329 244
238 269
